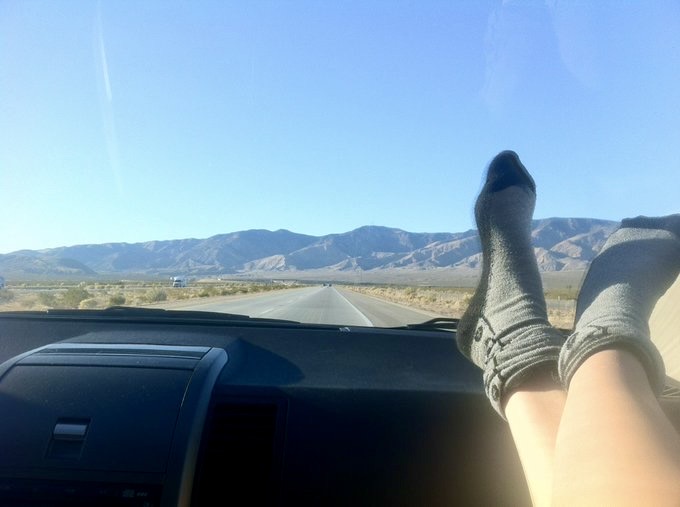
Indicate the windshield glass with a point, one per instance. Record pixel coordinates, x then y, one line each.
319 161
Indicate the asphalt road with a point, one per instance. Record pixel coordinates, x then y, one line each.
320 305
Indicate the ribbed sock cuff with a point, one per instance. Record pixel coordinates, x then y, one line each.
584 343
516 356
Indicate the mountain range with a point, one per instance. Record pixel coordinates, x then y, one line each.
561 244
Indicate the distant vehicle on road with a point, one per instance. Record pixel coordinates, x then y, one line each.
179 281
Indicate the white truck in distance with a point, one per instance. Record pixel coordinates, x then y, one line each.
179 281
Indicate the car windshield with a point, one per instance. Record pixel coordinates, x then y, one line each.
319 161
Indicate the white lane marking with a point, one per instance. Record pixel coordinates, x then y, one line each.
366 319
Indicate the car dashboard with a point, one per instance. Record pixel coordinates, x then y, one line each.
126 408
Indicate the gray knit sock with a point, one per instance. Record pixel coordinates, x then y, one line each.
505 329
637 264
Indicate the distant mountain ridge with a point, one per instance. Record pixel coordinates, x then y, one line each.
560 244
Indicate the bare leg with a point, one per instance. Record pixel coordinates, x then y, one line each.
534 413
607 441
615 445
505 330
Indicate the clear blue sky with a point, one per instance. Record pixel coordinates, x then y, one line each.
135 120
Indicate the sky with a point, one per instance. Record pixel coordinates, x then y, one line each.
130 121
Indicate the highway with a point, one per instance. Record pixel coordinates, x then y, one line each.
320 305
331 305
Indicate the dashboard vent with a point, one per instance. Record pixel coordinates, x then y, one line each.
239 454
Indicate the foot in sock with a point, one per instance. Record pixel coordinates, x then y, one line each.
637 264
505 329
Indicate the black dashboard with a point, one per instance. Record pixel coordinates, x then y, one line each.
161 409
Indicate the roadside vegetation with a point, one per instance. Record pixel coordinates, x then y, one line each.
45 295
452 301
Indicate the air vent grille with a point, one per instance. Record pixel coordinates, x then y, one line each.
123 355
182 351
239 455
